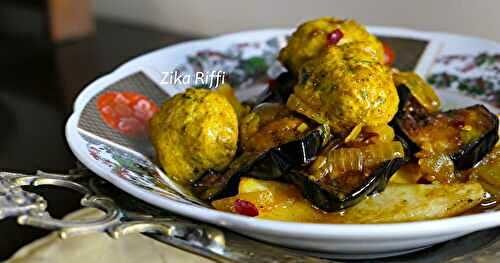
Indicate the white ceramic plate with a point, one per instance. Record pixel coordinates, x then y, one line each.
446 53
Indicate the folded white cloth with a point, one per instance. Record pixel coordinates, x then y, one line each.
100 248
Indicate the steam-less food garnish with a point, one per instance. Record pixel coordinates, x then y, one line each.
326 142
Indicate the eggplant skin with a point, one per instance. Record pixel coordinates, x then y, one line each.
474 152
328 201
281 88
467 156
272 164
404 95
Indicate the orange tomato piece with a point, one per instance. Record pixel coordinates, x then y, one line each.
389 55
126 112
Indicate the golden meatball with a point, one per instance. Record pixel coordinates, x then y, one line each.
311 38
345 86
228 92
194 131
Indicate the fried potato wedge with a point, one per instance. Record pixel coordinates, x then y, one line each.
274 200
414 202
398 203
409 173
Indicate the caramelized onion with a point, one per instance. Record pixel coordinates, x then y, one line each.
422 91
489 169
438 167
354 133
383 133
343 160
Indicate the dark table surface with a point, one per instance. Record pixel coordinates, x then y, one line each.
39 84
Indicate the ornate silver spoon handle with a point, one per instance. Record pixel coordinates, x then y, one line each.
220 245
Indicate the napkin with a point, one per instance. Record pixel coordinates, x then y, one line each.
99 247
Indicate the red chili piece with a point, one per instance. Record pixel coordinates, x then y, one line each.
246 208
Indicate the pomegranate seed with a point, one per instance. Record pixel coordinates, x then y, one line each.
334 37
246 208
272 83
458 123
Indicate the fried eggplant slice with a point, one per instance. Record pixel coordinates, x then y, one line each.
346 176
465 135
271 164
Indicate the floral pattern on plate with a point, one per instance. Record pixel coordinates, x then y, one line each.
248 65
137 170
477 76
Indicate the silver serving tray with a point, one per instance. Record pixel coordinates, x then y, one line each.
125 214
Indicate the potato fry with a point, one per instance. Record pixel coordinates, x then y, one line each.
408 174
274 200
414 202
398 203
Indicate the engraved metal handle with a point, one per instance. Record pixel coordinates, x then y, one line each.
30 209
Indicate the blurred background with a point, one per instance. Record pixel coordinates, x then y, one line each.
479 18
50 49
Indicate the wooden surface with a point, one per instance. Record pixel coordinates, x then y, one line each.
39 85
54 21
70 19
